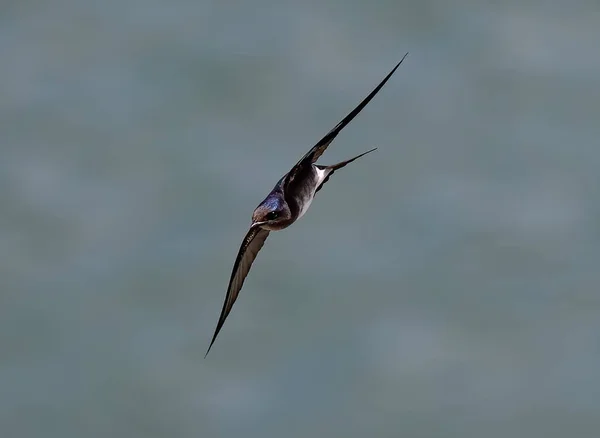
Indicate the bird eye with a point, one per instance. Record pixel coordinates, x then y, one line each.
272 215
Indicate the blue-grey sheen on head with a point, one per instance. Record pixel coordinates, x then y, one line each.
287 202
273 213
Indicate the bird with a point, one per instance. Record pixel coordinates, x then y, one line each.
287 202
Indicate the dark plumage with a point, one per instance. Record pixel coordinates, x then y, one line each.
287 202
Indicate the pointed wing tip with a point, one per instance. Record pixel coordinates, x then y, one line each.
382 83
400 62
210 346
217 330
251 245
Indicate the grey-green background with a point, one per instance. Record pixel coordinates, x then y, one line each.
445 286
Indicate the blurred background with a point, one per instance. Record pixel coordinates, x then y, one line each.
445 286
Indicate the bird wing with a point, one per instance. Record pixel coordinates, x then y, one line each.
318 149
251 245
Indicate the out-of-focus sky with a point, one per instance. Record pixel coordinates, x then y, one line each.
445 286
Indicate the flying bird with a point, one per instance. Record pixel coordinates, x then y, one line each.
287 202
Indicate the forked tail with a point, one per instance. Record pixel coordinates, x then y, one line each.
337 166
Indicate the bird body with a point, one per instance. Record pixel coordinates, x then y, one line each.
306 193
286 203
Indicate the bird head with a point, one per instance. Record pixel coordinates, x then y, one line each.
272 214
